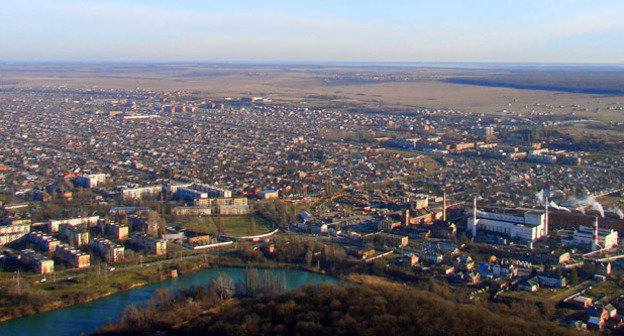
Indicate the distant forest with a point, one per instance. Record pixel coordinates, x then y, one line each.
603 81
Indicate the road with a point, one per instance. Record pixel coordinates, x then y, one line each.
140 265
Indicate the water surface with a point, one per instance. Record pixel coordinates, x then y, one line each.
84 318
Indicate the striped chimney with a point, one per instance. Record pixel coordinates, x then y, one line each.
595 246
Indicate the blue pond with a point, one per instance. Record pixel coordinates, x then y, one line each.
84 318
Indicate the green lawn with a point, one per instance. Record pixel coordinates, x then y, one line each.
540 296
608 288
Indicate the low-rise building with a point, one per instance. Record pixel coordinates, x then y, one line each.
390 239
268 194
410 260
529 285
550 257
199 238
552 280
581 301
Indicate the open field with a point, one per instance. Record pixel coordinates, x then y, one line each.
369 88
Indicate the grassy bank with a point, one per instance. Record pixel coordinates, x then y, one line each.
33 298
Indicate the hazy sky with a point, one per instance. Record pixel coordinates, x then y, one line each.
313 30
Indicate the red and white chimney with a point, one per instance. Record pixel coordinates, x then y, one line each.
595 246
474 217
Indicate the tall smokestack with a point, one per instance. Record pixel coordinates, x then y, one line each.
474 217
595 246
546 219
406 218
444 206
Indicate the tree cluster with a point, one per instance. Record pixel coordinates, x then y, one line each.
379 308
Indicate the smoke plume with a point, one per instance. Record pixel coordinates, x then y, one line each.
587 201
617 211
556 206
541 197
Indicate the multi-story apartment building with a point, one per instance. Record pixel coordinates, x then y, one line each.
72 257
156 246
36 261
111 252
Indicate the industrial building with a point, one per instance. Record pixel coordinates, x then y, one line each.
419 213
523 224
387 224
593 237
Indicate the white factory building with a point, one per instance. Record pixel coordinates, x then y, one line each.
530 226
584 236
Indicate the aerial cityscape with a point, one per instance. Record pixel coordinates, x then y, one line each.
261 187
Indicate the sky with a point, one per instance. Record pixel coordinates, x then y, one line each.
546 31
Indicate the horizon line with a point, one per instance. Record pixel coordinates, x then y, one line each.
310 62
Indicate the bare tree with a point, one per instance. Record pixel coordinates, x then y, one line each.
223 286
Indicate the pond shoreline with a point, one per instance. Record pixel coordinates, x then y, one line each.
86 317
55 305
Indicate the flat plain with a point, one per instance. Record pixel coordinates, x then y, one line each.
492 91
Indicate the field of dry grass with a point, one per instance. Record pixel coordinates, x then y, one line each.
307 86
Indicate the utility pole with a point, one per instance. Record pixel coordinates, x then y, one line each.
444 207
18 282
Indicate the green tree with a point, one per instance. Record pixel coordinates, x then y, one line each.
573 278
